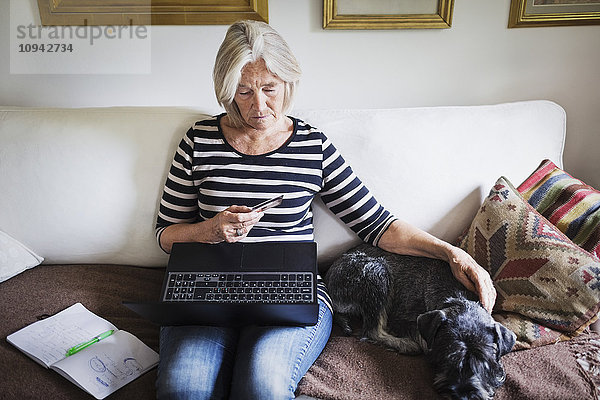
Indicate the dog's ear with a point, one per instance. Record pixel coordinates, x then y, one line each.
428 324
505 339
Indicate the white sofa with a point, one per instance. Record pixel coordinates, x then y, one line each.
83 185
80 189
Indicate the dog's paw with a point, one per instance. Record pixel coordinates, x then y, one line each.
412 351
343 321
372 341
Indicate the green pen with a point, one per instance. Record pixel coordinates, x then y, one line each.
90 342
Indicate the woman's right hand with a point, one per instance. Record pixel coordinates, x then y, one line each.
230 225
233 224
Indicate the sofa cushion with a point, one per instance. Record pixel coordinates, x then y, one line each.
568 203
15 257
85 183
540 274
409 159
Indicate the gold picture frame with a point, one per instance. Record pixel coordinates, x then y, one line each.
536 13
418 20
151 12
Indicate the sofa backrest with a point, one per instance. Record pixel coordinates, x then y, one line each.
83 185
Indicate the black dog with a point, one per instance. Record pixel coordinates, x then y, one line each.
414 305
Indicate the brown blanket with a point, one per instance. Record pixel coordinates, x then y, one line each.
347 369
351 369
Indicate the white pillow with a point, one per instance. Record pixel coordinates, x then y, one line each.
15 257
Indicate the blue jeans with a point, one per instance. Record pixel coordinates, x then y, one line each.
253 362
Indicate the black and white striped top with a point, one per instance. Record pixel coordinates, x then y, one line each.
208 175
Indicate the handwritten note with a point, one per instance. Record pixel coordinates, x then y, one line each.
99 369
48 340
109 364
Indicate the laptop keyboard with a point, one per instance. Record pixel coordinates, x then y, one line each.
252 287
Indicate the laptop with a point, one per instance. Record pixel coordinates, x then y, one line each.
236 284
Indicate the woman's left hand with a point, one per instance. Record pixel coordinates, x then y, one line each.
466 270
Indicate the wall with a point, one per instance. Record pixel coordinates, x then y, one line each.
477 61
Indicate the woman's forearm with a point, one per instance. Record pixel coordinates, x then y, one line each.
403 238
196 232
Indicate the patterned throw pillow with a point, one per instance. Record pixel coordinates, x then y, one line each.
539 273
529 333
568 203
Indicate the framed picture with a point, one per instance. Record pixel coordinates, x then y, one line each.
387 14
532 13
151 12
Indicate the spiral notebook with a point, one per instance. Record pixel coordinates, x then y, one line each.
99 369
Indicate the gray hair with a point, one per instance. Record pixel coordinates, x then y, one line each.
245 42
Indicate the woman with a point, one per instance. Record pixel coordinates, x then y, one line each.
228 163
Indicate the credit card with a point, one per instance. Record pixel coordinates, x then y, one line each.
265 205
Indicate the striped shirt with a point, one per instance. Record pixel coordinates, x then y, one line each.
208 175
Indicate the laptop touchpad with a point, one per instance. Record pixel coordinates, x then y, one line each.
263 258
